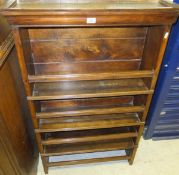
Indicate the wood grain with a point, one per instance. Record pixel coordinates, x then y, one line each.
87 50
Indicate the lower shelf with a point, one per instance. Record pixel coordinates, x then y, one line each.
85 161
88 147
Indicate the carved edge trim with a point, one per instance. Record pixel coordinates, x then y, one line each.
5 48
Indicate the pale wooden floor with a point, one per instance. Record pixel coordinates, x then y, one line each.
153 158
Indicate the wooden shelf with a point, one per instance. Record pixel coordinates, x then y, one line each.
85 161
95 111
92 80
66 149
90 76
89 135
88 89
89 122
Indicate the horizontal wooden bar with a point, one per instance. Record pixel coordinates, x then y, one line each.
85 161
90 76
91 95
99 111
105 17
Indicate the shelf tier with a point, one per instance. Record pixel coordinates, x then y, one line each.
89 122
85 161
90 76
88 89
88 147
96 111
89 135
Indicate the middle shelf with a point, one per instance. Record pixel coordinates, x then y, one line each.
88 122
88 89
66 137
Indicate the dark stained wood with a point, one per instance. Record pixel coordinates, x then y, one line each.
88 136
108 88
97 111
79 148
65 50
154 38
5 29
163 34
86 67
22 53
8 161
91 103
18 156
89 122
91 44
122 17
86 33
88 81
90 76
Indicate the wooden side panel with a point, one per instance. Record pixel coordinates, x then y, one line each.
157 37
8 162
26 48
154 39
24 57
152 58
12 115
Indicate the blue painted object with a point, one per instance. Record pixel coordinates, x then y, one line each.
176 1
163 117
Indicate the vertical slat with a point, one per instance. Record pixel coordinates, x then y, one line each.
22 42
